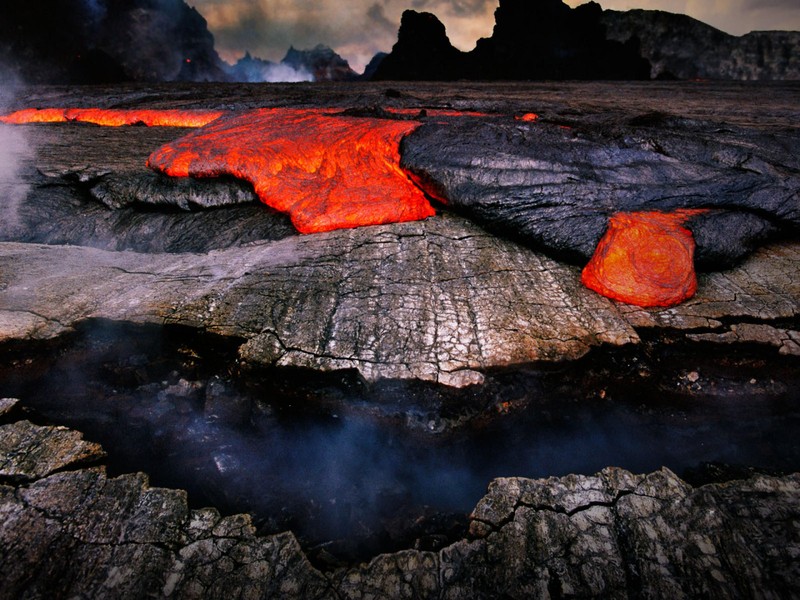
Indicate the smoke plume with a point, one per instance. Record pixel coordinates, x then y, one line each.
14 150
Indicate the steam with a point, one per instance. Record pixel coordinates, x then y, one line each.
14 150
278 73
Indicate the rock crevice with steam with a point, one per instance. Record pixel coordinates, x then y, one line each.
77 531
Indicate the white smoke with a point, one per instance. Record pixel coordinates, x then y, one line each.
14 150
280 73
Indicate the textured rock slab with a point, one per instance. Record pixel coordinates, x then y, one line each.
434 300
623 535
438 300
60 196
786 340
615 534
30 452
6 404
764 288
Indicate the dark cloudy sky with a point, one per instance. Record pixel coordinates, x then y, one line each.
358 29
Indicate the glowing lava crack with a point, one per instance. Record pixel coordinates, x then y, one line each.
328 172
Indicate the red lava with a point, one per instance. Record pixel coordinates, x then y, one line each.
115 117
328 172
645 258
331 172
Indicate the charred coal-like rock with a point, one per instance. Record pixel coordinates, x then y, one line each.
555 187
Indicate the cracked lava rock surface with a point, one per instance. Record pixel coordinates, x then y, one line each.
67 526
93 234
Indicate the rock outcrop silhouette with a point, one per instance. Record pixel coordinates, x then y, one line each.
531 40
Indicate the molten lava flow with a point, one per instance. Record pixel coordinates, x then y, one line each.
35 115
528 117
115 117
328 172
645 258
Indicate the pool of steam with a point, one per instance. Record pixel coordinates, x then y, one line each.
357 469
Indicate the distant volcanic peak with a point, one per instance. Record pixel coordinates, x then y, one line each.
328 172
115 117
645 258
422 28
423 51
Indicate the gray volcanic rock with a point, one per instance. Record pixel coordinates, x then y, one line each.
436 300
440 300
30 452
66 196
555 187
615 534
679 46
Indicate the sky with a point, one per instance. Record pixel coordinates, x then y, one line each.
357 29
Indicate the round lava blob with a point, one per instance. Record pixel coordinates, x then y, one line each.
645 258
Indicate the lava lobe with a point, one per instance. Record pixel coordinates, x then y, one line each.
327 171
645 258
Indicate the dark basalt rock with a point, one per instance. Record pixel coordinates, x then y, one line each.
554 187
60 213
105 197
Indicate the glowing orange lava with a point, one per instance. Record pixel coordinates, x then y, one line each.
645 258
528 117
328 172
115 117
